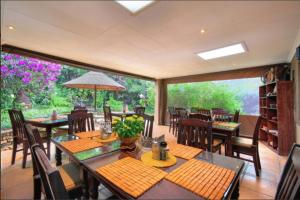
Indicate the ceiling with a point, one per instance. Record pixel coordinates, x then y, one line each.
161 41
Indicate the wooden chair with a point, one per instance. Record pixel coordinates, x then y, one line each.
65 129
198 133
200 116
80 122
73 186
204 111
247 146
194 109
289 184
218 111
107 114
148 125
56 184
19 136
139 110
171 111
179 115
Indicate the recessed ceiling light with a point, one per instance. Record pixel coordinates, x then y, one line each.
224 51
135 6
11 27
202 31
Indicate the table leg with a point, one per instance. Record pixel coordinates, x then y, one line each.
93 187
228 145
58 156
236 191
49 132
84 182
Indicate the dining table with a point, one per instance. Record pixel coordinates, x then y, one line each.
48 124
229 129
93 159
122 114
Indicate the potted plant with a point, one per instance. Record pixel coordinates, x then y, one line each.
128 130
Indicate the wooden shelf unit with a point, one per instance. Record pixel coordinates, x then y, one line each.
276 110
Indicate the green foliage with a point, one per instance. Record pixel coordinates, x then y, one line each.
203 95
129 127
115 105
58 101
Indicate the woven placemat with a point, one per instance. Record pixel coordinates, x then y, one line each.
184 151
79 145
131 175
88 134
205 179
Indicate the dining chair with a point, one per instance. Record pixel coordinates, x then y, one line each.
200 116
218 111
289 184
194 109
198 133
139 110
247 146
19 137
77 107
148 125
204 111
107 114
171 111
61 130
72 180
80 122
179 115
57 184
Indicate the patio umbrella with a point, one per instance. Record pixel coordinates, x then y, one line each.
96 81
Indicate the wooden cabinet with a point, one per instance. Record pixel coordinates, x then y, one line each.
276 109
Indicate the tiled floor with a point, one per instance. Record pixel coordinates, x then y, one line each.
16 183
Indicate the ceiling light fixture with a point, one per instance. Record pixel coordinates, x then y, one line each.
11 27
202 31
224 51
135 6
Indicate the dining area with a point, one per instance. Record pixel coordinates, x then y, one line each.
185 162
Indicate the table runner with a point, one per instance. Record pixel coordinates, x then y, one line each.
205 179
131 175
79 145
184 151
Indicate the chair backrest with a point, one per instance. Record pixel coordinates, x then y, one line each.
79 110
289 184
196 133
178 109
80 107
107 114
139 110
256 131
204 111
200 116
171 109
218 111
236 116
17 122
51 179
33 135
80 122
148 125
223 117
194 109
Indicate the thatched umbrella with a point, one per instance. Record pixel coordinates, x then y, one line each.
96 81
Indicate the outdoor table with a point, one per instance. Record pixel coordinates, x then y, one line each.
92 159
229 129
121 114
48 124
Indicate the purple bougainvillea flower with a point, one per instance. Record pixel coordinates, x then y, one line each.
7 57
21 62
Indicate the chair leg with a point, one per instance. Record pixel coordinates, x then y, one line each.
255 162
258 159
25 150
14 152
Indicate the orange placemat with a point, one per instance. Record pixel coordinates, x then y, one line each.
75 146
112 138
131 175
205 179
88 134
40 119
184 151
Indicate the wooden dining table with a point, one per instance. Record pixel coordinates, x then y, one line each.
92 159
48 124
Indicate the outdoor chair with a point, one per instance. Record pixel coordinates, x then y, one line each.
139 110
204 111
179 115
289 184
171 111
200 116
80 122
148 125
218 111
198 133
70 172
194 109
57 184
19 136
247 146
